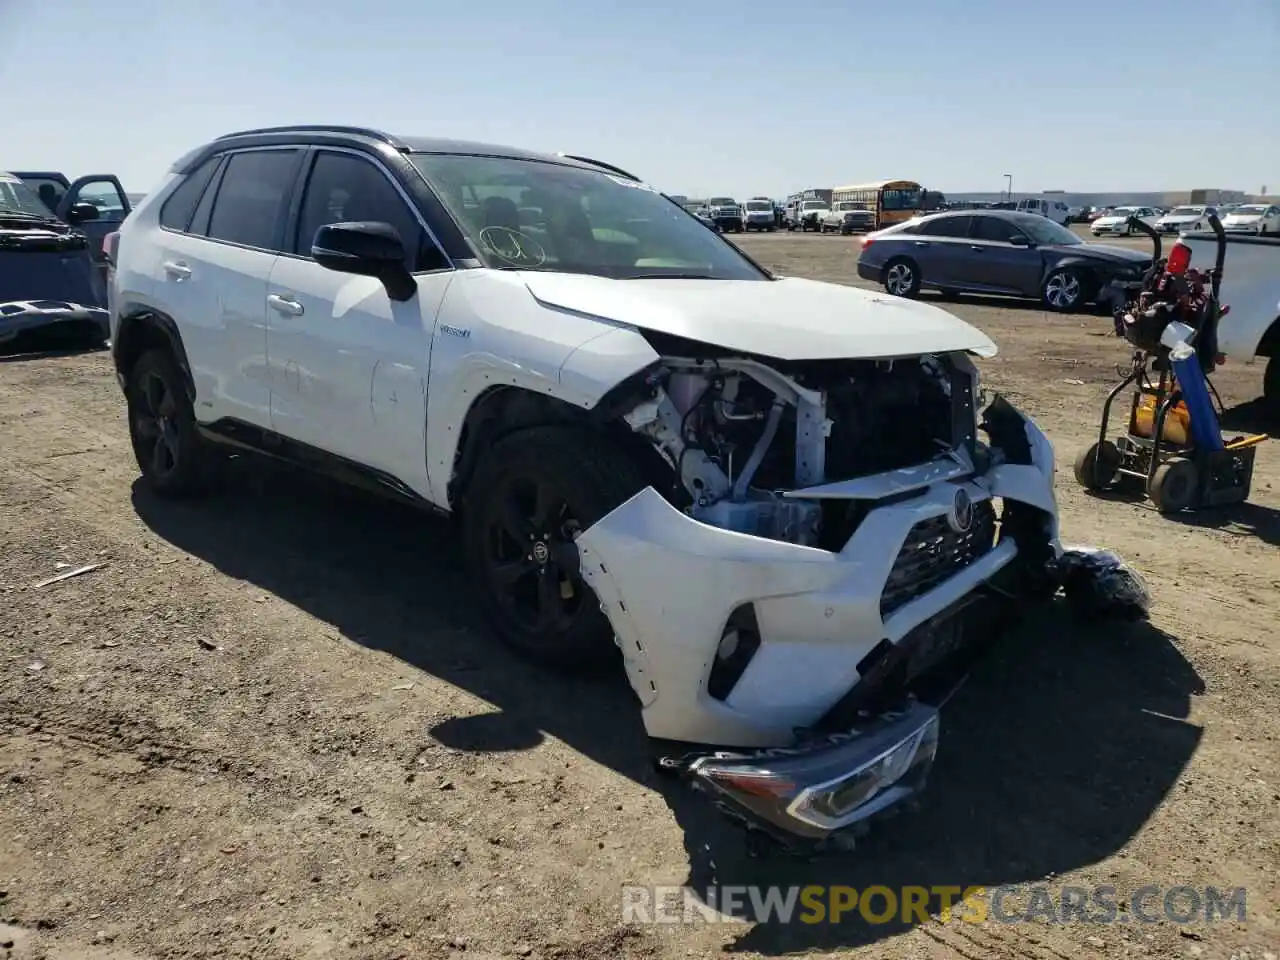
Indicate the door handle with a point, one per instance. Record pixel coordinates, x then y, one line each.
285 305
177 269
922 243
977 249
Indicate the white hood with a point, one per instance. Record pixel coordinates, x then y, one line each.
787 319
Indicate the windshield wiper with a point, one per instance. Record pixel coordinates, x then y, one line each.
669 276
8 214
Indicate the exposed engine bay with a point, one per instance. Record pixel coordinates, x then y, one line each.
749 442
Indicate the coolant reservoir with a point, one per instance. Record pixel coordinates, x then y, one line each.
1177 422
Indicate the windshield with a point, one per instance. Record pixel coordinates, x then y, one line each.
1185 212
1250 210
1122 211
900 200
759 205
1045 231
814 205
541 215
723 202
17 197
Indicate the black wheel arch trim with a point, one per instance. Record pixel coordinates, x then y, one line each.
138 332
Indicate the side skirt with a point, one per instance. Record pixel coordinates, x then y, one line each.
238 435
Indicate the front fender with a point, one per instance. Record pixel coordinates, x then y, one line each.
492 332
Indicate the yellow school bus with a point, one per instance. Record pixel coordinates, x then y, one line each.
892 200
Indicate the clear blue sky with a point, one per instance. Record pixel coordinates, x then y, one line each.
698 97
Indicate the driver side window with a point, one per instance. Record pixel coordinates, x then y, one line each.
995 230
343 187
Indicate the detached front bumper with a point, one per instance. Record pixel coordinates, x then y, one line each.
795 628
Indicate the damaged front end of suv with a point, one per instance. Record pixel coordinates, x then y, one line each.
841 539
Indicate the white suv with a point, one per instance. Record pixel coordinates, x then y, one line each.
770 493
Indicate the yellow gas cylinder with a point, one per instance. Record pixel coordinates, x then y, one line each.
1177 422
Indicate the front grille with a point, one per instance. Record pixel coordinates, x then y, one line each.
933 552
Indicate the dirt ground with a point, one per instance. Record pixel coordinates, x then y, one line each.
268 724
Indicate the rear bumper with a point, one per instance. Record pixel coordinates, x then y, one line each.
868 272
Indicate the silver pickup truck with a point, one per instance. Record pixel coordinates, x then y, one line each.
1251 288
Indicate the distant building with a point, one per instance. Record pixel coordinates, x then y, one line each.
1140 198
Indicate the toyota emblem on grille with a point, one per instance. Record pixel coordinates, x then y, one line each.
960 519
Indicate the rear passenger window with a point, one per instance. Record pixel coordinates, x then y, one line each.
178 209
250 205
947 227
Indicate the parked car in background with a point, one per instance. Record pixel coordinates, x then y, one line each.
1054 210
758 215
727 213
846 217
1256 218
51 294
1251 287
704 215
1117 220
101 190
1190 217
808 215
996 251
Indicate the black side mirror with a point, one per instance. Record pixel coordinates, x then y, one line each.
1021 240
80 212
367 248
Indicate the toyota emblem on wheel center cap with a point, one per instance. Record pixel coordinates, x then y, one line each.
541 554
960 519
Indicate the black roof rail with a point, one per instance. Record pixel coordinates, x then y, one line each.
322 128
604 166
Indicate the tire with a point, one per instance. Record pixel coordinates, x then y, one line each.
162 427
1097 465
1174 486
539 606
1065 290
902 277
1271 387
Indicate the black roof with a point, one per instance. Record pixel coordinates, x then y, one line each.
1014 215
331 134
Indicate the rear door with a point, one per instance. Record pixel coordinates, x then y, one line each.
348 364
941 248
997 264
213 276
